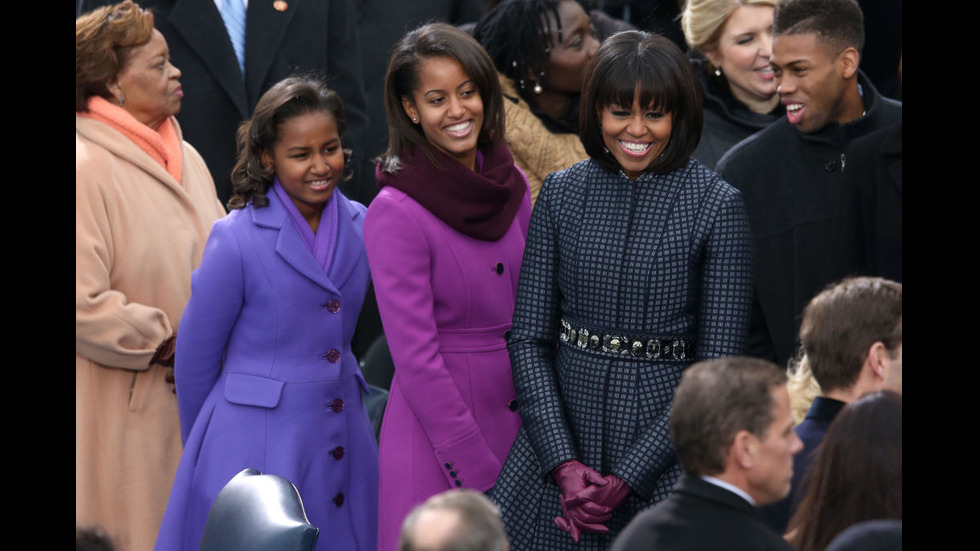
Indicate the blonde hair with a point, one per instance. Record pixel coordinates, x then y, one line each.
802 387
703 20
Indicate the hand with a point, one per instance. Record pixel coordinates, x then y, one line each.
574 478
165 352
607 497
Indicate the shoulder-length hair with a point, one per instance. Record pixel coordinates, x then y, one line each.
104 41
638 62
287 99
856 473
402 81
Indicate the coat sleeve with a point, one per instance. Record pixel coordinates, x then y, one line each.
110 329
726 281
400 258
217 294
533 341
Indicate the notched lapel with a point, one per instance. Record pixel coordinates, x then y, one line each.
350 243
199 23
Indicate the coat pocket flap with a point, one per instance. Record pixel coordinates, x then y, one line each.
249 390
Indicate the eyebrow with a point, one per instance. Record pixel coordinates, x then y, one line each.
441 91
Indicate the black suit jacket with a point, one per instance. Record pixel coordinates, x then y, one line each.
281 38
699 515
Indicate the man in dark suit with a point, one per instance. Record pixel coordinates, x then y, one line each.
791 174
281 38
852 342
733 431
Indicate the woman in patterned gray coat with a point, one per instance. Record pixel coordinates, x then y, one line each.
638 264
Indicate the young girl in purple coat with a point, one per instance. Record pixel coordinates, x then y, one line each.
445 237
265 374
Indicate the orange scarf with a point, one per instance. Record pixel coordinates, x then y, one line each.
162 144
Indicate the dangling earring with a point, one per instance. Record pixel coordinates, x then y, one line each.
717 71
122 100
537 88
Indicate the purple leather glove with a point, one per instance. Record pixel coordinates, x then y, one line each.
573 478
606 497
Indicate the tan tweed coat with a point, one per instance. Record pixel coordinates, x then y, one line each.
138 236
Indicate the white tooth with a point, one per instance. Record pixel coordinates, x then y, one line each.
458 127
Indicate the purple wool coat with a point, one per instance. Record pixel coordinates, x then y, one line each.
446 301
286 398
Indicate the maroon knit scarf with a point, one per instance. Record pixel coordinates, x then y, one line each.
480 204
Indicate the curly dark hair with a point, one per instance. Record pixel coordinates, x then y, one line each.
289 98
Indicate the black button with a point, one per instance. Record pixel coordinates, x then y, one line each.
449 465
339 499
512 405
452 474
507 334
459 482
337 452
830 166
499 267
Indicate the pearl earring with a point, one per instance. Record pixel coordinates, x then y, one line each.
717 71
537 88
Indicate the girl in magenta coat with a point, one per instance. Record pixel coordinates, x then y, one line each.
445 237
265 374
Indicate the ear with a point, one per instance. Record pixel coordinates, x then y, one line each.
744 449
848 62
713 56
268 162
410 110
115 90
876 360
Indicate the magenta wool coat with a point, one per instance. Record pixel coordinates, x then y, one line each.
446 300
266 377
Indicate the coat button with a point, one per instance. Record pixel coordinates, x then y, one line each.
506 334
449 466
512 405
830 166
333 356
459 483
499 267
337 405
337 452
338 499
333 305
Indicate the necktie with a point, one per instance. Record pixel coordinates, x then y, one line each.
233 13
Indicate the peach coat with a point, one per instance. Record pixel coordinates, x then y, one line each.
138 236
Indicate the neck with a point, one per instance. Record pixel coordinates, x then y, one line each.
851 105
555 104
755 103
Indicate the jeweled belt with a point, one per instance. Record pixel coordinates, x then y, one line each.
627 345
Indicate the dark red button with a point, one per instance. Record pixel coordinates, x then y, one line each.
337 405
333 356
512 405
337 452
338 499
333 306
499 267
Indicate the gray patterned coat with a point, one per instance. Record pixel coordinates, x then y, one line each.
665 256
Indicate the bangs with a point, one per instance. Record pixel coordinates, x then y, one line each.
641 74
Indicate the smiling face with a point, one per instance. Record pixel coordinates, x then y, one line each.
449 108
308 160
149 86
812 81
635 135
570 53
742 53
